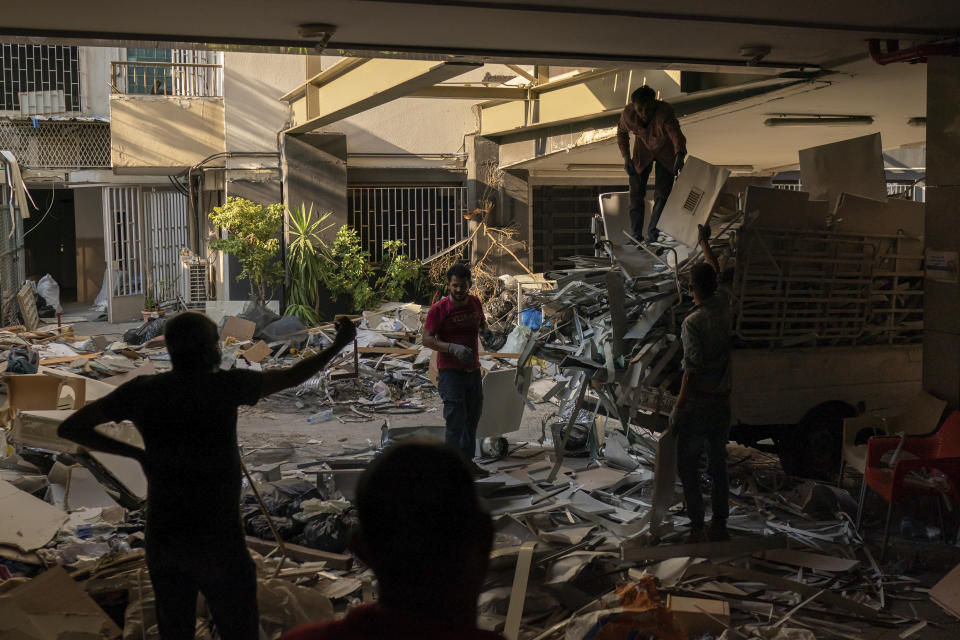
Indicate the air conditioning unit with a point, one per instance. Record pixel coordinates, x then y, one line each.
193 283
42 103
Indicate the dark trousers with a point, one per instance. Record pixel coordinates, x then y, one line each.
662 185
227 578
462 393
704 424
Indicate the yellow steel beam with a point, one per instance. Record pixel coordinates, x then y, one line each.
370 84
471 93
318 80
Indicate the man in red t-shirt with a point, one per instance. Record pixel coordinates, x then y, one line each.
423 533
452 329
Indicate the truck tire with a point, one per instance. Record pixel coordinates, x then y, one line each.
812 448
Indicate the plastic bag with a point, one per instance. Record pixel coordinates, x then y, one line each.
287 328
145 332
50 290
516 340
260 316
329 531
283 497
532 318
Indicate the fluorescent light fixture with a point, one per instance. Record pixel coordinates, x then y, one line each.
917 122
822 121
596 167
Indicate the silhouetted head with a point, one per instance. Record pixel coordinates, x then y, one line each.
192 342
459 282
703 281
421 526
644 100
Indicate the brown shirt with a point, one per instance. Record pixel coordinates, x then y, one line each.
660 140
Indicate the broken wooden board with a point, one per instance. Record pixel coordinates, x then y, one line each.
53 605
238 328
28 307
691 200
692 616
849 166
807 560
66 359
302 554
518 594
747 575
27 523
636 551
126 471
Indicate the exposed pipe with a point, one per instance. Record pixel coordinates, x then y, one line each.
919 53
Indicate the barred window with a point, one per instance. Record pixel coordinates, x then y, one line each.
28 68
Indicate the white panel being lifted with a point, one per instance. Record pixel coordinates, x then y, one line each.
692 200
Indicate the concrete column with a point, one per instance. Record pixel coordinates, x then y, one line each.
941 340
314 171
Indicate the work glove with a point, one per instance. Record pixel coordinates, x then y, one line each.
486 335
678 163
704 235
346 332
462 353
629 168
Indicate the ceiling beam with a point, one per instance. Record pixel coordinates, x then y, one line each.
523 74
472 93
336 70
370 85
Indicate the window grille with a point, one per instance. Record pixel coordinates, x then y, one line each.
26 68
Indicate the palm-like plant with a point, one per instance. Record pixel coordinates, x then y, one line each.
307 254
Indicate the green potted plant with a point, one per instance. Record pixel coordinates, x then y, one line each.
252 237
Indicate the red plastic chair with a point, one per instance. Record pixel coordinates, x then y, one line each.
940 451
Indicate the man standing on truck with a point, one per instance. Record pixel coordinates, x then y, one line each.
701 417
658 139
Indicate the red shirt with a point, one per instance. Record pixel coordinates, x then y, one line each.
459 325
660 140
373 622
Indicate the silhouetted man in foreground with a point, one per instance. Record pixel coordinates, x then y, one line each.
428 542
658 141
188 421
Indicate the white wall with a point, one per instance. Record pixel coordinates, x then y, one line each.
252 86
412 125
95 80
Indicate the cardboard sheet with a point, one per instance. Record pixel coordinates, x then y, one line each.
145 369
856 214
127 470
946 593
691 615
257 352
692 200
782 209
26 523
238 328
502 404
851 166
53 605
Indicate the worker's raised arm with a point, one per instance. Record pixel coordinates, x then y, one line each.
80 427
280 379
708 256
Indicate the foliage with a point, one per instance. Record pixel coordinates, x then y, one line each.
252 239
396 270
307 257
350 272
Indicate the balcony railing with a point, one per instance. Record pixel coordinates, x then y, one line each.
50 144
184 79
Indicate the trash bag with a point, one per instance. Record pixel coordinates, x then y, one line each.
516 340
257 525
283 497
532 318
329 531
50 290
286 329
145 332
22 359
260 316
44 310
